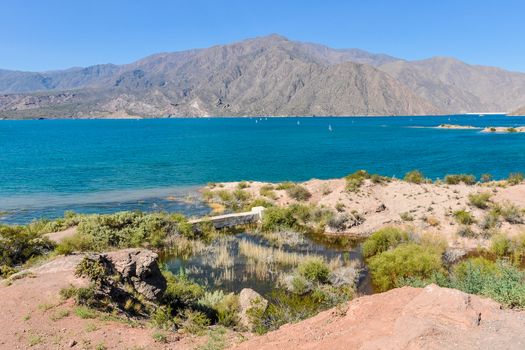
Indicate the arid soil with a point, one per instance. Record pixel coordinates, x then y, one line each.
33 316
405 318
430 205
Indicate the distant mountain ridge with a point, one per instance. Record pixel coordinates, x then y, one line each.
263 76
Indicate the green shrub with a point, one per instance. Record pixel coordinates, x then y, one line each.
456 179
285 185
471 275
408 260
314 270
479 200
378 179
181 292
406 216
382 240
490 220
268 191
463 217
242 185
228 310
19 244
511 213
515 178
192 321
466 231
486 178
355 180
512 130
299 193
278 218
415 177
502 282
500 245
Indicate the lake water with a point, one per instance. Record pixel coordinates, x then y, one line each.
48 166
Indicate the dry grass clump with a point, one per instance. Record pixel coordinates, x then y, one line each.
270 255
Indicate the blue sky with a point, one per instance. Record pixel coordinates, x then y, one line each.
55 34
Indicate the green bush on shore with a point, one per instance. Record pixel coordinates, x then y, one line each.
415 177
382 240
464 217
408 260
19 244
299 193
456 179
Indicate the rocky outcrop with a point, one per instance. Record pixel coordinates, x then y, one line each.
404 318
138 267
251 304
114 273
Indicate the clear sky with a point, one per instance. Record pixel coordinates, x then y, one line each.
55 34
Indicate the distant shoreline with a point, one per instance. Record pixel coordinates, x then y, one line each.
253 117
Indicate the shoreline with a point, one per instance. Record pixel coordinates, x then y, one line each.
252 117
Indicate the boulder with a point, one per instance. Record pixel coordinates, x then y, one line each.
129 267
139 266
251 304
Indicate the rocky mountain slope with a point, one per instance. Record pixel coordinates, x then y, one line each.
262 76
520 111
455 86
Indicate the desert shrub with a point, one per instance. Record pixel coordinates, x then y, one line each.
232 200
181 292
314 270
408 260
456 179
415 177
382 240
355 180
515 178
502 282
500 245
268 191
18 244
297 217
512 130
466 231
278 218
378 179
511 213
126 229
228 310
340 207
463 217
285 307
432 220
485 178
192 321
339 222
490 220
284 185
471 275
242 185
299 193
406 216
479 200
76 243
511 248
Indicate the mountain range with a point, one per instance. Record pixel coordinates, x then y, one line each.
266 76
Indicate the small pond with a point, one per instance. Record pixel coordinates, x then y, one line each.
252 260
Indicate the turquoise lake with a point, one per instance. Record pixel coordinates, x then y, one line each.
48 166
